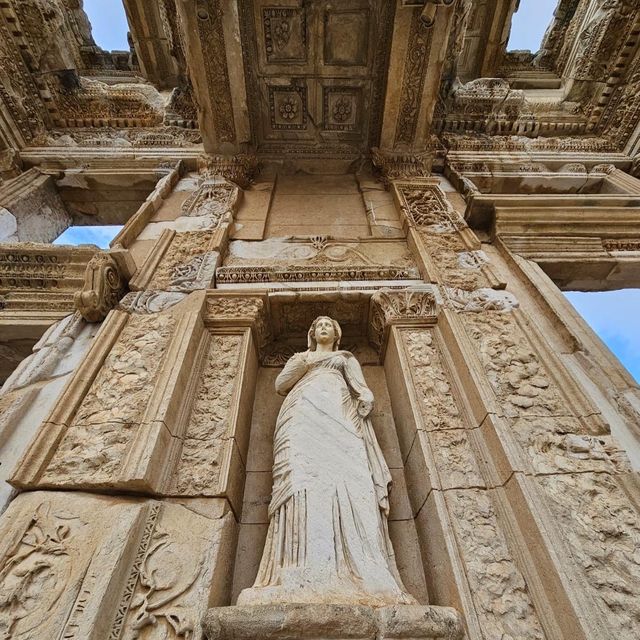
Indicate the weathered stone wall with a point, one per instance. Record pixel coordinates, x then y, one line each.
485 411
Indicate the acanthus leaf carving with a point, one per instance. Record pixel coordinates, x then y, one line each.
418 304
401 166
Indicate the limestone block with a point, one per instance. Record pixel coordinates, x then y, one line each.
333 622
80 566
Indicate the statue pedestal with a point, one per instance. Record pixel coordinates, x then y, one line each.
332 622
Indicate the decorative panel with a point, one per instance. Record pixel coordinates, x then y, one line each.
346 38
342 108
285 34
288 107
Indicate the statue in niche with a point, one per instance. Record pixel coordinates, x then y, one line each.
328 539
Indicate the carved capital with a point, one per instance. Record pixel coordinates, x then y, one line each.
416 305
239 169
237 311
401 166
105 282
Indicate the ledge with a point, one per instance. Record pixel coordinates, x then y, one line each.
333 622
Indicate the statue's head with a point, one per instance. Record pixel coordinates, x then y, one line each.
324 330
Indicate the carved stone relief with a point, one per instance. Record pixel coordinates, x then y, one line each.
437 403
315 259
517 376
479 300
67 336
600 528
208 439
212 198
76 566
500 593
104 284
96 442
415 71
285 34
413 305
188 264
451 257
288 107
427 206
150 301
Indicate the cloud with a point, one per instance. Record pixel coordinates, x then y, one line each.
100 236
613 315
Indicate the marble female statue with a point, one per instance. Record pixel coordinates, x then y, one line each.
328 539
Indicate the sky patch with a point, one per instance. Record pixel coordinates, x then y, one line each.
530 23
100 236
109 24
613 315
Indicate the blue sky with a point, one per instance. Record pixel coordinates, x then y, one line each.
109 23
614 315
100 236
529 24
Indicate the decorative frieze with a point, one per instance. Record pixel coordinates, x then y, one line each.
253 275
239 169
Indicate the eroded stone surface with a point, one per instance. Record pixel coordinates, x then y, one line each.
332 622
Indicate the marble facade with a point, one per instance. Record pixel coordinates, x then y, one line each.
388 164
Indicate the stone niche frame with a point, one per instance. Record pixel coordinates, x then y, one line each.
153 440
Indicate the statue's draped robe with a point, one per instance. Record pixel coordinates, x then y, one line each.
328 539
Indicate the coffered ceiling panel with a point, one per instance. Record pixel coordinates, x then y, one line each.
317 69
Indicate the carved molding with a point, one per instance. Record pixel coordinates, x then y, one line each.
237 310
297 273
621 245
401 166
239 169
209 15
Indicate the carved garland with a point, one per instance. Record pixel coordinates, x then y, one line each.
209 21
420 39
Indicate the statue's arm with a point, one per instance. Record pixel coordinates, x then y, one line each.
355 379
295 368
